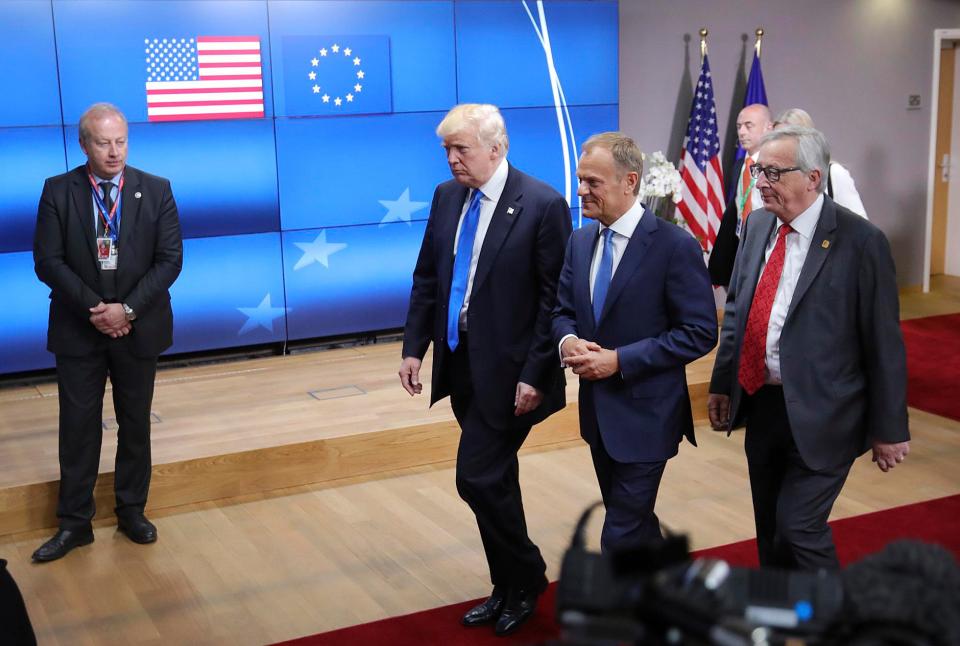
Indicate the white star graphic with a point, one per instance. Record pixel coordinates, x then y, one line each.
316 89
356 61
326 98
360 74
357 87
314 61
347 51
400 209
335 48
312 75
338 101
263 315
317 251
323 52
349 98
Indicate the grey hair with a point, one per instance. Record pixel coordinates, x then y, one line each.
626 153
485 118
813 151
96 111
794 117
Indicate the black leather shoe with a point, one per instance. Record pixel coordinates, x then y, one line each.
61 543
520 605
488 611
138 529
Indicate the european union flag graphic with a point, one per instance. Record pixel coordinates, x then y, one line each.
333 75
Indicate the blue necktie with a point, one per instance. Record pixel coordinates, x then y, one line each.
461 269
604 273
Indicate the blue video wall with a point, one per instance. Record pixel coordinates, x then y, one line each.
305 173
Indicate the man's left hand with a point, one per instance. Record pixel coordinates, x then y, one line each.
526 399
888 454
598 364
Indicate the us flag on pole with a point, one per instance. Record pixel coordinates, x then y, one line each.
701 203
207 77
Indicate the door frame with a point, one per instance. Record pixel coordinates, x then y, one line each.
939 35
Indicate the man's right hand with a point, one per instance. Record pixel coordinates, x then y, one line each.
718 407
574 347
410 375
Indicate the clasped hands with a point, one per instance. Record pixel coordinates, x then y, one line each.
110 319
588 359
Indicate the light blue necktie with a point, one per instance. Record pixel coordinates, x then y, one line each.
604 273
461 269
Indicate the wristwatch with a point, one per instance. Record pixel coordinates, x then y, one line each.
128 311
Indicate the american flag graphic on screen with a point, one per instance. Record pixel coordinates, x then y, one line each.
207 77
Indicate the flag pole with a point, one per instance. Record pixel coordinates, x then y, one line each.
759 42
703 43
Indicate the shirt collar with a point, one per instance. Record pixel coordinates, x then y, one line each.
115 180
806 223
627 223
494 186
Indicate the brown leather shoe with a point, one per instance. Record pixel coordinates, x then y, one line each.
61 544
488 611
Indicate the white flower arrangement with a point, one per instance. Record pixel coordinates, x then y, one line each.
661 179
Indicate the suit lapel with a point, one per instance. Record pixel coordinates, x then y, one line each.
446 235
505 213
83 207
633 255
585 243
130 207
820 246
753 255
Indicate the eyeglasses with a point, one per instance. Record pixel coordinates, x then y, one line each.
772 172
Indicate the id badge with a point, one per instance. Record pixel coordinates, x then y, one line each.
107 253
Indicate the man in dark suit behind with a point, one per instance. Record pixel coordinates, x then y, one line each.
811 357
634 307
108 245
483 288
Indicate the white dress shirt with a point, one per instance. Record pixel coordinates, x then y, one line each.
798 244
115 181
845 191
622 231
492 191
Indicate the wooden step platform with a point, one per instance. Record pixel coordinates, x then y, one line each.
258 426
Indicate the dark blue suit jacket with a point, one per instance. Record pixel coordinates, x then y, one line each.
659 315
514 291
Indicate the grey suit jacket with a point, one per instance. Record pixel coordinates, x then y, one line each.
842 357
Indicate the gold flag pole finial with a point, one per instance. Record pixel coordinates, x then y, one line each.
703 43
759 33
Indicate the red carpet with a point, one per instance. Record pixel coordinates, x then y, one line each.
933 364
933 521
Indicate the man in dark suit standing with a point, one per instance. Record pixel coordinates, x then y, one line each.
634 307
483 288
811 357
753 122
108 245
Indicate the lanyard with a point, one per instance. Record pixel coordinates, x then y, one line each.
111 221
747 194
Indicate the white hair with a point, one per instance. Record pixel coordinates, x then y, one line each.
483 117
813 151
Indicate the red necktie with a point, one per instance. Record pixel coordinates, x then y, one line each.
753 365
745 189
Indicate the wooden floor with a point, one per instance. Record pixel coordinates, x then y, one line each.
263 568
